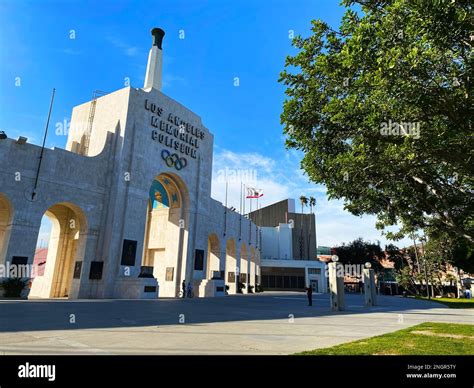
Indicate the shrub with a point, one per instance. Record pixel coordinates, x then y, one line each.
13 287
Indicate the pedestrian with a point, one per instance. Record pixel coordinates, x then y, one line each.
183 286
309 292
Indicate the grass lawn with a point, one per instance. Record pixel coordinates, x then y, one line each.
425 339
452 302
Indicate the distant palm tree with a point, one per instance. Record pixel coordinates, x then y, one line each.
304 202
312 202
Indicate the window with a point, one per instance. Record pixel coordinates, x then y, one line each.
199 260
279 281
301 282
271 281
95 272
129 252
294 282
314 271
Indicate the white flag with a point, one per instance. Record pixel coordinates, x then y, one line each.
254 193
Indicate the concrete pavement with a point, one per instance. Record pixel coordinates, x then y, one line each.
268 323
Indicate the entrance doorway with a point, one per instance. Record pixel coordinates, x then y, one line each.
166 233
59 246
315 285
6 215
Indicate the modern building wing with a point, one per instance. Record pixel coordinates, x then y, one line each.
288 248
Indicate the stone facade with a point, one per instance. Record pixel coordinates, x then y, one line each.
135 176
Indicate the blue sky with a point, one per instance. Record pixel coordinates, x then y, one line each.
81 46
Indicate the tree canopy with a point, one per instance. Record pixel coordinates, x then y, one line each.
382 111
360 252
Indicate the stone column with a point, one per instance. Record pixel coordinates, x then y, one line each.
237 268
23 238
370 293
81 288
336 287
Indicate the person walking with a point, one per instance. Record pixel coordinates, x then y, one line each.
309 292
183 286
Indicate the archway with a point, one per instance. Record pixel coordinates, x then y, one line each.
166 233
230 266
213 257
6 218
253 268
64 247
243 269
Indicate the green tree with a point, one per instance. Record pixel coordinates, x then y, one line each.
360 252
406 268
382 111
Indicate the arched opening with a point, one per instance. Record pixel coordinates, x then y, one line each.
243 270
230 266
258 275
252 271
6 219
213 257
60 245
166 233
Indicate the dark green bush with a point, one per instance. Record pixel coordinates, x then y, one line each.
13 287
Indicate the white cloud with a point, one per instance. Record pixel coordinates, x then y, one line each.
127 49
69 51
169 80
282 178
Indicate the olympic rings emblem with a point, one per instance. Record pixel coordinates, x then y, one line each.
173 160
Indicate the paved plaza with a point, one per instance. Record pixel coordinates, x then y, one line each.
268 323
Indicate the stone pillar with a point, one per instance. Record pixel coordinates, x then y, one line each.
155 61
370 293
81 287
222 258
336 287
23 238
236 269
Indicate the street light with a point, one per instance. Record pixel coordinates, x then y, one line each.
368 265
335 258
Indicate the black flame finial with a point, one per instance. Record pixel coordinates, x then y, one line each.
158 35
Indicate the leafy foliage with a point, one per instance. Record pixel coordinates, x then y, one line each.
13 287
360 252
395 61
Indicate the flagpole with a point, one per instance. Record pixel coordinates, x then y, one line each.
256 226
243 199
240 215
33 194
225 210
250 222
